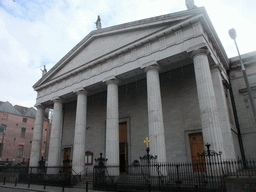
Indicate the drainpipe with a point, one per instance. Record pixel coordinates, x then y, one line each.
240 140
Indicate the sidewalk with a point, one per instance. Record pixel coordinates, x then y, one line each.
24 188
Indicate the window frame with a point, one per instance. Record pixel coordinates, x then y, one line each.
1 149
23 133
5 126
20 150
24 120
88 154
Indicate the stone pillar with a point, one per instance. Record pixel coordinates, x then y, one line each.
79 138
37 137
225 118
112 127
155 114
56 132
207 101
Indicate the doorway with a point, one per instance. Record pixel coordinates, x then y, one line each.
67 159
123 148
197 147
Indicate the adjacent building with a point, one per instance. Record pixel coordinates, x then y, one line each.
243 108
16 132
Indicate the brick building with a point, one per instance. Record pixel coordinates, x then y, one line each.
16 132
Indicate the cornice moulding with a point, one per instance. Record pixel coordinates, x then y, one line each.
140 43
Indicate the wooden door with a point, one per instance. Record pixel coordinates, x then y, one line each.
123 148
197 147
67 159
67 153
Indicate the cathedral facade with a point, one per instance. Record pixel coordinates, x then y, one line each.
163 78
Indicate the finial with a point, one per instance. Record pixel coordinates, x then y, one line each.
98 23
190 4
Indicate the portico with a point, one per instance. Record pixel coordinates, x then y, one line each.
154 75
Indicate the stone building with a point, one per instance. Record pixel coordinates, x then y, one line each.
246 121
163 77
16 132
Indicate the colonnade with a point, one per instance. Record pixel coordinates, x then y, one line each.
208 111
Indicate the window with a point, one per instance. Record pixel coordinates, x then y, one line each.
20 150
1 149
23 131
24 120
5 116
3 128
88 160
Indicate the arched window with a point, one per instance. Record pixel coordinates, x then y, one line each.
88 160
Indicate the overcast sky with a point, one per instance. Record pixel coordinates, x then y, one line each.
34 33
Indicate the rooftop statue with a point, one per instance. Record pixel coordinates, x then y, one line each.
98 23
44 71
190 4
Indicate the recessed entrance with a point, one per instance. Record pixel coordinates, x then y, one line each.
123 147
66 159
197 147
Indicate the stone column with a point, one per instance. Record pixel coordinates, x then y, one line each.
79 138
112 127
55 140
222 100
37 137
207 101
155 114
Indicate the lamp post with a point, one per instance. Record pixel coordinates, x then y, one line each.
232 34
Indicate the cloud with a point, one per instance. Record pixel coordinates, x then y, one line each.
37 33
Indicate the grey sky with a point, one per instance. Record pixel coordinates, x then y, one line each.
34 33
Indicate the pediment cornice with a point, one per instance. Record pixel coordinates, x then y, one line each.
173 22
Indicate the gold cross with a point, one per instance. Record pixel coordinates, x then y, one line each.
147 141
43 151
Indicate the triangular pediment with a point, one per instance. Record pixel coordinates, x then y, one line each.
108 41
104 45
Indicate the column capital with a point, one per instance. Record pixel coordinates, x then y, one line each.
81 91
40 106
197 52
152 65
57 99
111 80
216 67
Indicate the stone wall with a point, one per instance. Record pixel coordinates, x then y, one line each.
245 115
241 184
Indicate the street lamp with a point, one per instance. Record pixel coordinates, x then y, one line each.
232 34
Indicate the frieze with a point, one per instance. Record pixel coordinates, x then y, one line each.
95 73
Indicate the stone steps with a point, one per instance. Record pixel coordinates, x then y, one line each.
82 183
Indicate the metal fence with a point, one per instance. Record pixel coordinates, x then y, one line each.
55 176
207 175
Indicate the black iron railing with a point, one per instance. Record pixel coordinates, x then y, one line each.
56 176
204 175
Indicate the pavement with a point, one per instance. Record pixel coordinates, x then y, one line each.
10 187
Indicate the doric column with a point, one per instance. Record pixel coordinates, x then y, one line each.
55 140
112 125
155 113
207 101
37 138
79 138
